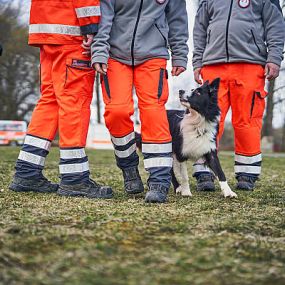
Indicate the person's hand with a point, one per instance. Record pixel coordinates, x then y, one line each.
197 75
271 71
87 41
101 68
177 70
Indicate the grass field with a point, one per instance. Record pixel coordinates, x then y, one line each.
47 239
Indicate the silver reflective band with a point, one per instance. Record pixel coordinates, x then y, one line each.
37 142
126 153
88 11
157 148
248 159
248 169
200 168
54 29
32 158
124 140
73 168
72 153
158 162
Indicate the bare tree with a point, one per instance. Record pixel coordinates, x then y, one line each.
18 65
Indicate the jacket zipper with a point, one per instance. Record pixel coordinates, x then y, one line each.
255 41
135 32
227 31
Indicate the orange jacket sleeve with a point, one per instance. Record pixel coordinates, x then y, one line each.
88 13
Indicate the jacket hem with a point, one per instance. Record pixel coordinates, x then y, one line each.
234 60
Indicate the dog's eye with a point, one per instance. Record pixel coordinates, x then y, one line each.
192 90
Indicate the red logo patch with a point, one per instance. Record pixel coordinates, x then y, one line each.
244 3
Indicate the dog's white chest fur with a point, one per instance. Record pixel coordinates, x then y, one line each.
198 135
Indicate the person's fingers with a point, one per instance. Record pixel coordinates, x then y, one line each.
179 71
173 71
99 69
104 68
87 53
270 73
197 76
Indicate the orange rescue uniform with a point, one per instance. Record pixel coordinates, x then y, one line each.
67 80
242 89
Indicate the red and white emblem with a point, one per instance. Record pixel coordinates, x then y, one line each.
244 3
160 1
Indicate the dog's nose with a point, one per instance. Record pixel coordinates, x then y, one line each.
181 93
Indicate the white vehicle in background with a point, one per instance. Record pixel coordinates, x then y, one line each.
12 132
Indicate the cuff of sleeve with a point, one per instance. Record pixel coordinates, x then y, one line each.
99 59
89 29
274 59
197 64
179 62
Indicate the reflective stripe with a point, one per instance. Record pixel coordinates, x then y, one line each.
54 29
32 158
157 148
124 140
37 142
247 169
73 168
88 11
158 162
126 153
248 159
201 168
72 153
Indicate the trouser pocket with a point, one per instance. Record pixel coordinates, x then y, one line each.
106 89
257 104
162 93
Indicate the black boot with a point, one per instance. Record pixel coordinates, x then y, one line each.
41 185
88 189
157 194
205 182
246 182
132 181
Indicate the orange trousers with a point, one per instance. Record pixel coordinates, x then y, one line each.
150 82
242 89
67 81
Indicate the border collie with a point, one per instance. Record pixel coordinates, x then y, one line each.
194 135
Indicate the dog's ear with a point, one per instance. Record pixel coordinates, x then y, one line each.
206 83
214 86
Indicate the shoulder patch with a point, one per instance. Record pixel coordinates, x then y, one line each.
244 3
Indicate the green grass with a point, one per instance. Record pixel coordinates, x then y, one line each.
206 239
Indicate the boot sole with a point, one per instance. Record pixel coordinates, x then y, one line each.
134 192
66 193
21 188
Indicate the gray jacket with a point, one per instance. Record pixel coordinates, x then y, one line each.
134 31
250 31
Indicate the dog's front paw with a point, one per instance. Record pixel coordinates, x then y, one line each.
184 191
227 191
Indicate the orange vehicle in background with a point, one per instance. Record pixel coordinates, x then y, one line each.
12 132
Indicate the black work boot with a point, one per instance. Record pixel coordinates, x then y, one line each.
132 181
88 189
205 182
246 182
41 185
157 194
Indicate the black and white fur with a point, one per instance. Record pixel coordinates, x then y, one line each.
194 134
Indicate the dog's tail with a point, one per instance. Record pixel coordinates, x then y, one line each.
138 138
